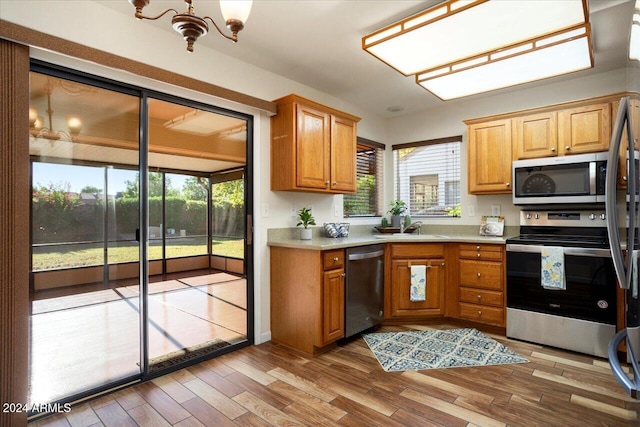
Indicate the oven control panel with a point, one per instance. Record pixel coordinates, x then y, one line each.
579 218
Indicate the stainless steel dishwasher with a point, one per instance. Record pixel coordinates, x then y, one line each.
364 290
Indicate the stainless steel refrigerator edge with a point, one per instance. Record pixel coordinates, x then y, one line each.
364 290
626 270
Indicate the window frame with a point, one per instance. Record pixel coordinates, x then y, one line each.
378 159
443 185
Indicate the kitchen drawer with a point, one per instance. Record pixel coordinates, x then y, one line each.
417 250
333 259
481 274
482 251
482 313
482 296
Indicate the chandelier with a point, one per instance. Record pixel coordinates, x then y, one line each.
191 26
36 122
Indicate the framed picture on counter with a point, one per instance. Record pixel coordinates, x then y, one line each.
492 225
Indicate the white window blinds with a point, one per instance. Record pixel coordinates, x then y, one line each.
427 176
367 200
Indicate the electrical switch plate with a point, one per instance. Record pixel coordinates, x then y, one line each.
292 210
495 210
265 210
471 210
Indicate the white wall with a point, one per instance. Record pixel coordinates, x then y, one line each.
124 36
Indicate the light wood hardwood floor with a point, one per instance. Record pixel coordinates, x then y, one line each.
82 339
270 384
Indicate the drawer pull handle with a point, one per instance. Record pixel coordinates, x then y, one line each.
478 274
479 313
478 247
478 255
335 259
479 297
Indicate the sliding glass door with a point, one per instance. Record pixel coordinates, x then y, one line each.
85 319
138 234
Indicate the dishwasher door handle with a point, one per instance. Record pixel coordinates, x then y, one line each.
365 255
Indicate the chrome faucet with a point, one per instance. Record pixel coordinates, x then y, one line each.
401 225
418 224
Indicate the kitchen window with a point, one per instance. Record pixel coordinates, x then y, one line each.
367 200
427 176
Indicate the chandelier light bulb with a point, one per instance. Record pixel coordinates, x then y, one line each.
74 123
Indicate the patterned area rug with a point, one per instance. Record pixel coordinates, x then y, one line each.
416 350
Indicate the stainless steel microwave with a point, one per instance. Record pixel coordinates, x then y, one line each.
564 179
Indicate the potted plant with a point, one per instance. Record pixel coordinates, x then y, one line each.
398 208
306 219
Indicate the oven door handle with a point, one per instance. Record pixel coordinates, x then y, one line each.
589 252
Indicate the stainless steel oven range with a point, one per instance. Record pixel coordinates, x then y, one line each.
561 283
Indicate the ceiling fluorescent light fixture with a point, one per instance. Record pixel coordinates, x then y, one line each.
459 29
559 53
192 26
634 40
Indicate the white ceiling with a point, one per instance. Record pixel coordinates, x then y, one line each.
319 44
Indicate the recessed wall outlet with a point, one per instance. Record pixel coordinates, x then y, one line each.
495 210
292 210
265 210
471 210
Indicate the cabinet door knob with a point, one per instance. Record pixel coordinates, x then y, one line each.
478 247
327 182
479 313
335 183
507 184
335 259
624 178
478 255
553 149
478 274
567 148
344 275
479 297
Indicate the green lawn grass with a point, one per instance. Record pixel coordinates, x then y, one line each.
81 255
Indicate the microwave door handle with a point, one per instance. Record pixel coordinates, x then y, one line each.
592 178
611 193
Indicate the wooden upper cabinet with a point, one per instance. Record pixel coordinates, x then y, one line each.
313 147
343 146
536 135
490 157
585 129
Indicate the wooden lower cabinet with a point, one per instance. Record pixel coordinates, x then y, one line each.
398 303
332 305
307 298
481 279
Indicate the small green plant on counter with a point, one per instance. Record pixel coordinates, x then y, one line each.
454 211
398 207
306 218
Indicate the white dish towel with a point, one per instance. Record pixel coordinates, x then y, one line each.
418 282
552 271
